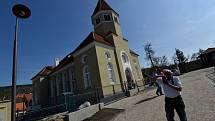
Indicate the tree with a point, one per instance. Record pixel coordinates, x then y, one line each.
149 53
160 61
174 59
196 55
188 57
180 56
200 51
164 61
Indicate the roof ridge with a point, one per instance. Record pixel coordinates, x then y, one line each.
102 5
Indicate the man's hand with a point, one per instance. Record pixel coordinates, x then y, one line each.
165 80
178 88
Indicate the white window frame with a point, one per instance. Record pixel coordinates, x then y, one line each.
86 76
110 73
125 58
107 55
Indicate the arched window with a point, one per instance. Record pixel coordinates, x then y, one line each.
107 55
98 20
111 76
124 58
84 59
71 79
87 80
107 17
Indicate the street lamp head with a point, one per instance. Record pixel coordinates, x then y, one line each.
21 11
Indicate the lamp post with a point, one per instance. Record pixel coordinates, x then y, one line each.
23 12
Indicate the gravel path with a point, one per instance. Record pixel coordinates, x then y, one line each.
198 94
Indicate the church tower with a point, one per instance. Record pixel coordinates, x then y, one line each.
105 20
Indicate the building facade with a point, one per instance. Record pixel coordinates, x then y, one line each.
5 110
102 62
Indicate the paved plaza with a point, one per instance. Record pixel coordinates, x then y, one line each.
198 94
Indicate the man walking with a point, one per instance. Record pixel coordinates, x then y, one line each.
173 100
157 83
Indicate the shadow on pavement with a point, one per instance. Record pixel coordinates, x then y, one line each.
146 100
105 114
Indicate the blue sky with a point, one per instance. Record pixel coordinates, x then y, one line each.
57 27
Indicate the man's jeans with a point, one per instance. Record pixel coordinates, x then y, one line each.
159 89
177 104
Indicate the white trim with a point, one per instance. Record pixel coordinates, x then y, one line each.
126 65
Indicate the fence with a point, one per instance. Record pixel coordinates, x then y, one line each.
71 102
65 102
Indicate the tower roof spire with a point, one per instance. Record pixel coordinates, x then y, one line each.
102 5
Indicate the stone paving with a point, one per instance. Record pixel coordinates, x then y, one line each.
198 94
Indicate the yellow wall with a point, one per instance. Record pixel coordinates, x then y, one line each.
102 62
93 68
134 59
5 111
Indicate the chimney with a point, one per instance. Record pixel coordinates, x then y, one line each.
57 61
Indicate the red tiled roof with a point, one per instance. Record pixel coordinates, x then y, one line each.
44 72
102 5
28 97
90 38
19 106
66 60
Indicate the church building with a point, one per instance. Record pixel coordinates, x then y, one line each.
103 62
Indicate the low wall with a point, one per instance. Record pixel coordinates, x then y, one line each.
85 112
5 110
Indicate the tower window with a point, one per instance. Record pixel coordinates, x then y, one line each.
98 20
116 19
107 17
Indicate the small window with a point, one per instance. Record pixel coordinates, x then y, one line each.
84 59
111 73
87 80
116 19
135 62
107 54
107 17
98 20
124 58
